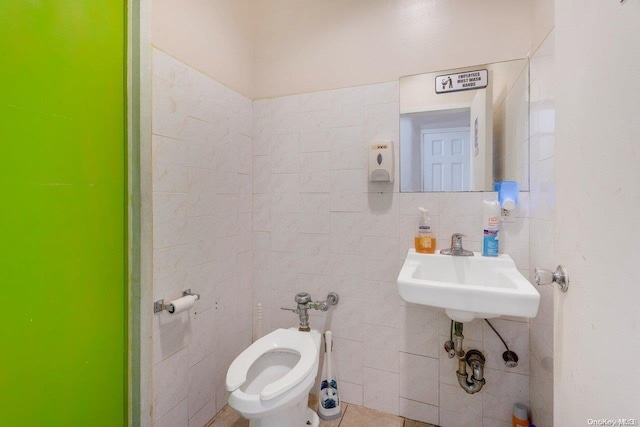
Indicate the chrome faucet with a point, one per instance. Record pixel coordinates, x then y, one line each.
456 246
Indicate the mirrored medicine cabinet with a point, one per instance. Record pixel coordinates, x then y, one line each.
454 137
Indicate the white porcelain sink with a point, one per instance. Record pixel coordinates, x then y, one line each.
467 287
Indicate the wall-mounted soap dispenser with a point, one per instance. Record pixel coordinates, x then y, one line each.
381 161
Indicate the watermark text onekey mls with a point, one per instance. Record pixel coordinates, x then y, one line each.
613 422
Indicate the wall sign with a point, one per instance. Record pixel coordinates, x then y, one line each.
469 80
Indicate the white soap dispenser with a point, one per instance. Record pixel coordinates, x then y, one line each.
381 161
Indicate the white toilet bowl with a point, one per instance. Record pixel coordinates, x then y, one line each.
269 382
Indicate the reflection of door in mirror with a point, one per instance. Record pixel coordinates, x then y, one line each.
437 151
496 118
448 146
446 160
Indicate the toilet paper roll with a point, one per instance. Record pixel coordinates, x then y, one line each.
181 304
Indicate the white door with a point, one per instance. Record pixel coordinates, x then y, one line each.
597 322
446 160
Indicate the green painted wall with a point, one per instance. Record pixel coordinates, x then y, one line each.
62 213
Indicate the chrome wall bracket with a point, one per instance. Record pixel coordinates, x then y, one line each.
158 306
188 292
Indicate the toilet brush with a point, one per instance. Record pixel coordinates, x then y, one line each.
329 401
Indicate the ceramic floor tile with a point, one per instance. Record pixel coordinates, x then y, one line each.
333 423
352 416
357 416
411 423
228 417
313 401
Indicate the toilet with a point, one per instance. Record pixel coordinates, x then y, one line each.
269 382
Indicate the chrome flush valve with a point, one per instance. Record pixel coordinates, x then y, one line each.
304 303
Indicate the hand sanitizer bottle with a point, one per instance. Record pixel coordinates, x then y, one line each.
424 241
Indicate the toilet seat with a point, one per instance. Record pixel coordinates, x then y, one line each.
280 340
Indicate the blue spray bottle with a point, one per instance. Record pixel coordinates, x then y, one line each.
491 227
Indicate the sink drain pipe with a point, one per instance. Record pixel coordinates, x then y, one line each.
473 358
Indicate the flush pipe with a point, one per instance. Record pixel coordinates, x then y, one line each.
474 358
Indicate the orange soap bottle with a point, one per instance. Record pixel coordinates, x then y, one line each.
520 415
424 241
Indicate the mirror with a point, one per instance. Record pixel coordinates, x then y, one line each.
464 129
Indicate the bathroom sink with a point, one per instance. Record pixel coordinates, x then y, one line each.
467 287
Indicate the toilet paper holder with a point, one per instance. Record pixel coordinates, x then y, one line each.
159 305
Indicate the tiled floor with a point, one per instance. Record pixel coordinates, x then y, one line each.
352 416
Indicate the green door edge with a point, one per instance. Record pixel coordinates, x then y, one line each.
130 242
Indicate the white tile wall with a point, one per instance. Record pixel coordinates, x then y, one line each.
175 417
319 225
294 170
202 237
542 228
457 408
